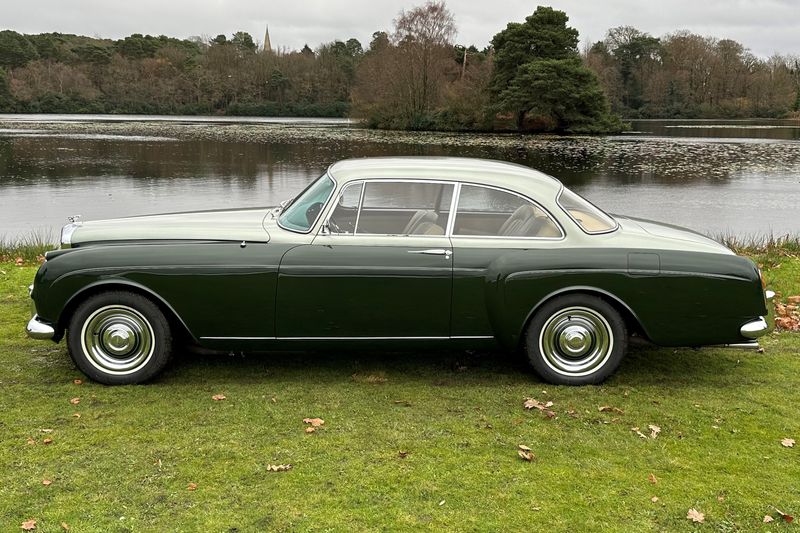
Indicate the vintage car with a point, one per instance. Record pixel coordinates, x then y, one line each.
389 253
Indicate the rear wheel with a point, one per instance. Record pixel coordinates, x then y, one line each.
576 340
119 338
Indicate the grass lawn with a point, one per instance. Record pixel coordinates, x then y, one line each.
423 441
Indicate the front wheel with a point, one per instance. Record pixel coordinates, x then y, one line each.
119 338
576 340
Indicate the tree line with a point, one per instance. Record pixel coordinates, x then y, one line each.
531 77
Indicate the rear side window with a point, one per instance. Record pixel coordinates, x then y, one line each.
487 212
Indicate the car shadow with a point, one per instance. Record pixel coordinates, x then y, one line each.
644 365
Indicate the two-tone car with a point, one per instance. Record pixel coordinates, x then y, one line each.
395 253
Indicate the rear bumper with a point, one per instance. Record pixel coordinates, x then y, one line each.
36 329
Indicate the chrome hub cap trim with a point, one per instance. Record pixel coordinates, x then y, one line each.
117 339
576 341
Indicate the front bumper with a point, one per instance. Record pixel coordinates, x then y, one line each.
36 329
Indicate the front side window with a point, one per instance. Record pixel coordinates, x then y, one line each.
344 217
590 218
302 212
486 212
404 208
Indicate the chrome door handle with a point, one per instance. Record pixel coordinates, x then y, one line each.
433 251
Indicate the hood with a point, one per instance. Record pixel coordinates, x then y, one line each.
659 235
223 225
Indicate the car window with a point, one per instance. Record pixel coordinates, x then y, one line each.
405 208
303 211
588 217
345 214
487 212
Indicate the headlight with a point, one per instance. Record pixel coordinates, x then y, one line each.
69 229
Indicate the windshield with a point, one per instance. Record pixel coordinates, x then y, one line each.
590 218
302 212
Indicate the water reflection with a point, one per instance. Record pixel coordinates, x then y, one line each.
747 181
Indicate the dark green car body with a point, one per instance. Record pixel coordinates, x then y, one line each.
237 280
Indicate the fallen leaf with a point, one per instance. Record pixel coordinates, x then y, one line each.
46 482
19 262
721 498
75 401
642 435
696 516
549 404
531 403
30 441
274 400
793 299
77 381
46 430
315 422
441 503
310 429
652 479
218 397
654 499
278 468
64 526
48 440
402 454
191 486
76 415
787 443
525 453
768 519
523 448
654 430
609 409
29 525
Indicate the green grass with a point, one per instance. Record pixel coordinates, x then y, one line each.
126 463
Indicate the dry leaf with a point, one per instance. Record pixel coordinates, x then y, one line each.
76 415
531 403
278 468
768 519
315 422
75 401
652 479
402 454
523 448
654 430
549 404
654 499
48 440
642 435
608 408
64 526
795 300
218 397
29 525
310 429
696 516
77 381
46 482
30 441
46 430
787 443
191 486
19 262
525 453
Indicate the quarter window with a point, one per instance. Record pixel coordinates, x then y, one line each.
590 218
486 212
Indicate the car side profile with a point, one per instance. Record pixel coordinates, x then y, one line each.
395 252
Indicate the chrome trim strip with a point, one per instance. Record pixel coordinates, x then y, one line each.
754 329
752 345
451 216
36 329
471 337
343 338
237 338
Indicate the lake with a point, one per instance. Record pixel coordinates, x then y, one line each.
714 176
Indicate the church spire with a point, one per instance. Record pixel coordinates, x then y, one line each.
267 43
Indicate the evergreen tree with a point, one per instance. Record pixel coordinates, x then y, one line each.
538 74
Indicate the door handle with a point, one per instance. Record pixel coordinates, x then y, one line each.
433 251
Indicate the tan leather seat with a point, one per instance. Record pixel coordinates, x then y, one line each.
522 223
420 218
429 228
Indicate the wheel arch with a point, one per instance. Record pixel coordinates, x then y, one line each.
99 287
629 316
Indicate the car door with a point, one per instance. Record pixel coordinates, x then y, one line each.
380 267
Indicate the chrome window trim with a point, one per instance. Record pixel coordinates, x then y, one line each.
325 205
335 205
506 237
564 209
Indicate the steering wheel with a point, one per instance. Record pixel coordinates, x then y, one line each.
313 211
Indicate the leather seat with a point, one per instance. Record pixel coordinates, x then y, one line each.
523 222
420 218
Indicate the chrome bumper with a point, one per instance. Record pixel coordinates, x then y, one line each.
36 329
762 325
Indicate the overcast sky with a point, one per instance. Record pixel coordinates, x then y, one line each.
763 26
